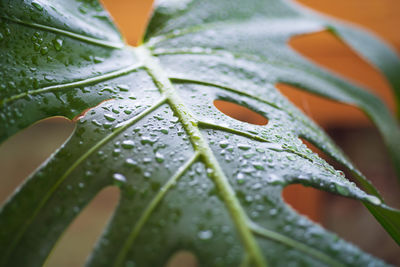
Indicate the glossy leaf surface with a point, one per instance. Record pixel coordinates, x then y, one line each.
190 176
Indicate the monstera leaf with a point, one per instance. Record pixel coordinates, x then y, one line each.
190 176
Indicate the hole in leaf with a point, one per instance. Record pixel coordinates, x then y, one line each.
80 237
315 149
368 153
344 216
123 11
305 200
330 160
326 113
24 152
329 51
240 113
366 13
182 259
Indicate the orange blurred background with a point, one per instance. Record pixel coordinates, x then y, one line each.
346 124
380 16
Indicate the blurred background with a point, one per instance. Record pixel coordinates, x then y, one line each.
350 128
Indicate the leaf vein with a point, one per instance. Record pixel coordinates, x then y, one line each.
77 36
294 244
91 80
151 207
49 193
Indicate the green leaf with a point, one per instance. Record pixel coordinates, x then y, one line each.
190 176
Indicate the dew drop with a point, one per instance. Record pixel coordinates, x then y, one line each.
243 147
119 179
123 87
159 157
37 5
98 59
273 212
291 158
340 173
258 166
58 44
44 50
128 144
147 140
223 144
373 200
205 235
342 190
130 162
109 117
240 178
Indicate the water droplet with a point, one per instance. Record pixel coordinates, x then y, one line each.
98 59
243 147
109 117
174 119
273 212
258 166
342 190
240 178
274 179
37 5
223 144
119 179
44 50
159 157
116 152
158 117
205 235
249 155
291 158
123 87
95 122
147 140
130 162
373 200
128 144
58 44
164 131
340 173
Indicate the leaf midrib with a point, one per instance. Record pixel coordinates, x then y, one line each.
201 145
193 128
246 227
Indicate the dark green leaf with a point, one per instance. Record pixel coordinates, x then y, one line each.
190 176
